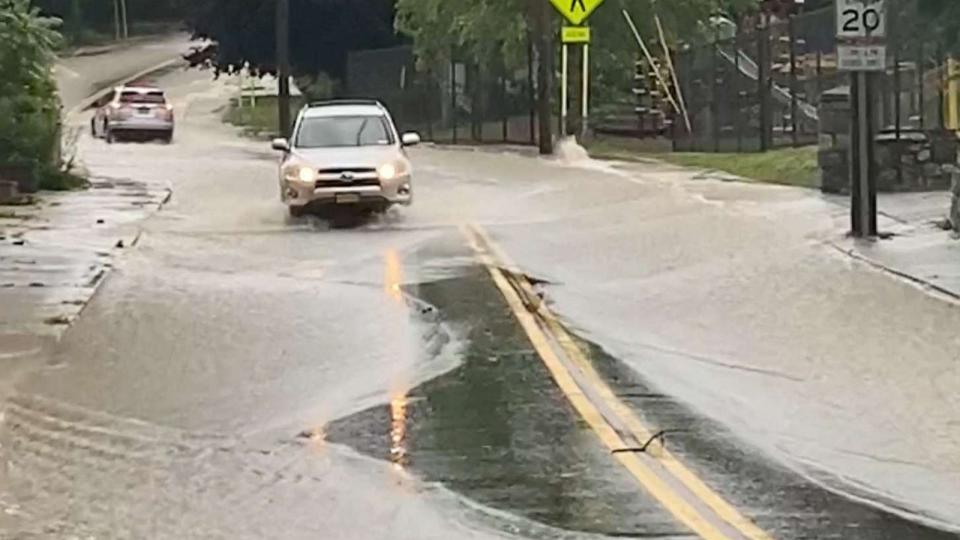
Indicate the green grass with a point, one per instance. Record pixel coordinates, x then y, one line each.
627 148
260 121
789 166
56 180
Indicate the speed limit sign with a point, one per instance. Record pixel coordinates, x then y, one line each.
861 19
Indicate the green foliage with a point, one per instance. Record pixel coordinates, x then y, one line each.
483 30
941 19
494 32
54 178
29 104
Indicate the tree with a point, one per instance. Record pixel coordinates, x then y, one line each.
322 32
29 104
85 18
494 32
940 19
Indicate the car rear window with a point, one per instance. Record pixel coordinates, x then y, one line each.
128 96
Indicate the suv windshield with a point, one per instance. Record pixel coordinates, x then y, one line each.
334 131
132 96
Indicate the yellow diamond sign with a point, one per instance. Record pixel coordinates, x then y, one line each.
576 11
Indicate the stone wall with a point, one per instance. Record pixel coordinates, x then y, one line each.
916 160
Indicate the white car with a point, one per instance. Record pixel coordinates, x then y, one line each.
134 112
345 153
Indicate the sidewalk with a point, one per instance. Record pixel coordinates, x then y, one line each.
918 247
920 250
54 253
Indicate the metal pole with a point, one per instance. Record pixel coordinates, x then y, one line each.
540 17
283 66
942 95
921 82
453 96
531 93
714 88
738 98
585 104
116 19
123 11
763 86
952 88
863 193
564 79
504 112
793 82
897 90
819 75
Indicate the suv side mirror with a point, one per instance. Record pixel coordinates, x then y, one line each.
281 145
410 139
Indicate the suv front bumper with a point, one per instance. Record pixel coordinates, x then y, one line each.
388 192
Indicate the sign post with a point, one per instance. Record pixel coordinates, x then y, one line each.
862 50
576 12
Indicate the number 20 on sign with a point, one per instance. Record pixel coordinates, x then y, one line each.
861 18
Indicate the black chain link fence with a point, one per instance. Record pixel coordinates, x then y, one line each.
462 102
762 89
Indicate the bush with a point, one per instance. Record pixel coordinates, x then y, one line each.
29 104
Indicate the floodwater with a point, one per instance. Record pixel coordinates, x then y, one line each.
240 374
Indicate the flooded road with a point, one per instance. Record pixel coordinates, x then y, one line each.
242 374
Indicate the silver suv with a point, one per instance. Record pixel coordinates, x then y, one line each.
345 153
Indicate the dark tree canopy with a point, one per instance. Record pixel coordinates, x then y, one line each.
80 15
322 31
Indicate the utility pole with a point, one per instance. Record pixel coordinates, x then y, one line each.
123 16
283 65
543 34
116 19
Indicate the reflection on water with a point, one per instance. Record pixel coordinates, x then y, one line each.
497 430
393 275
398 431
392 285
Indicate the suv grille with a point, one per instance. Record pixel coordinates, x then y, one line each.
347 177
344 183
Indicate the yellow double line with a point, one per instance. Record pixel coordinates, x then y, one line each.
662 475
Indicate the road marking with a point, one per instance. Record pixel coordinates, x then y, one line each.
670 482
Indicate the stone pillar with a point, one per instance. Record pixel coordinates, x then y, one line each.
8 192
833 156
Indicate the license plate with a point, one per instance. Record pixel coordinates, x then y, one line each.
347 198
143 112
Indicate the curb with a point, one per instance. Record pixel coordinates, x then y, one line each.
950 296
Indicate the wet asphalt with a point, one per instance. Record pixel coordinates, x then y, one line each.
240 374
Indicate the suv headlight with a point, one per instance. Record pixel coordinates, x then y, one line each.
393 169
297 172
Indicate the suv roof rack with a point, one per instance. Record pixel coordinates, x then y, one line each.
332 102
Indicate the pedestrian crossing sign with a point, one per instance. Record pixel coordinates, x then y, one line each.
576 11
